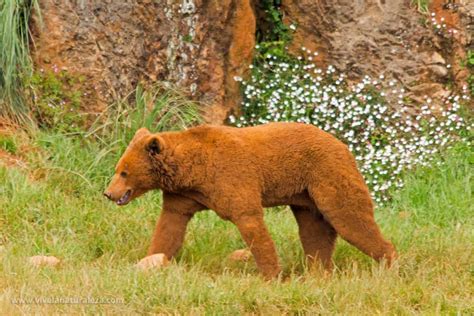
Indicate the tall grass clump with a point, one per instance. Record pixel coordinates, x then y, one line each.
157 108
385 132
87 158
15 62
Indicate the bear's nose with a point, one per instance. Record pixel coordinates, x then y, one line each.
108 195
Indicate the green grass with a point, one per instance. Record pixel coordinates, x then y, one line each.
55 207
422 5
15 61
157 108
8 144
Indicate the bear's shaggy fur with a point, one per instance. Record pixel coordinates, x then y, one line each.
238 171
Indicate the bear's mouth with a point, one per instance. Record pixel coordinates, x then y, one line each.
125 198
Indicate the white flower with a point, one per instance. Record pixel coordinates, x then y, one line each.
288 92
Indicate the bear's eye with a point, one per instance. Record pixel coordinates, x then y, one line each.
123 174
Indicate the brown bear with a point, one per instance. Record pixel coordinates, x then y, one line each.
238 171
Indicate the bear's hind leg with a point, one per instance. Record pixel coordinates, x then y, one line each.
354 221
317 236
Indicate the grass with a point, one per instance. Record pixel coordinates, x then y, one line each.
421 5
55 207
7 144
15 61
157 108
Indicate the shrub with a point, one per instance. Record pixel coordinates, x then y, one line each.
385 138
57 99
271 27
469 63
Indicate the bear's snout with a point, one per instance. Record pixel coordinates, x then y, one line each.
108 195
118 191
119 198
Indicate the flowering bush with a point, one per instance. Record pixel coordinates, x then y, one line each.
440 27
386 139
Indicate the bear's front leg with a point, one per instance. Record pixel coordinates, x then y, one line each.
256 236
169 233
166 241
171 226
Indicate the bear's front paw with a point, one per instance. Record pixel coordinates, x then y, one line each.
241 255
155 261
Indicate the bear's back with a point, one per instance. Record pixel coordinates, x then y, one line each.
283 136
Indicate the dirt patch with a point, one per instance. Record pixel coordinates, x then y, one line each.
11 160
14 145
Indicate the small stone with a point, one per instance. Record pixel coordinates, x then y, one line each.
44 261
426 88
155 261
436 58
441 94
240 255
439 70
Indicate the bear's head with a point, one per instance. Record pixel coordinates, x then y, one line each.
135 172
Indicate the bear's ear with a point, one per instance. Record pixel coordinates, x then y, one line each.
141 132
153 145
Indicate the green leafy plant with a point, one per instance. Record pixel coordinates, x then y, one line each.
421 5
470 58
57 99
274 29
470 67
273 35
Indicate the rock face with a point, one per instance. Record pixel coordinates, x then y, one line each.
198 45
363 37
201 45
377 37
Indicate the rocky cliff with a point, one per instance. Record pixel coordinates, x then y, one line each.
198 45
202 45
